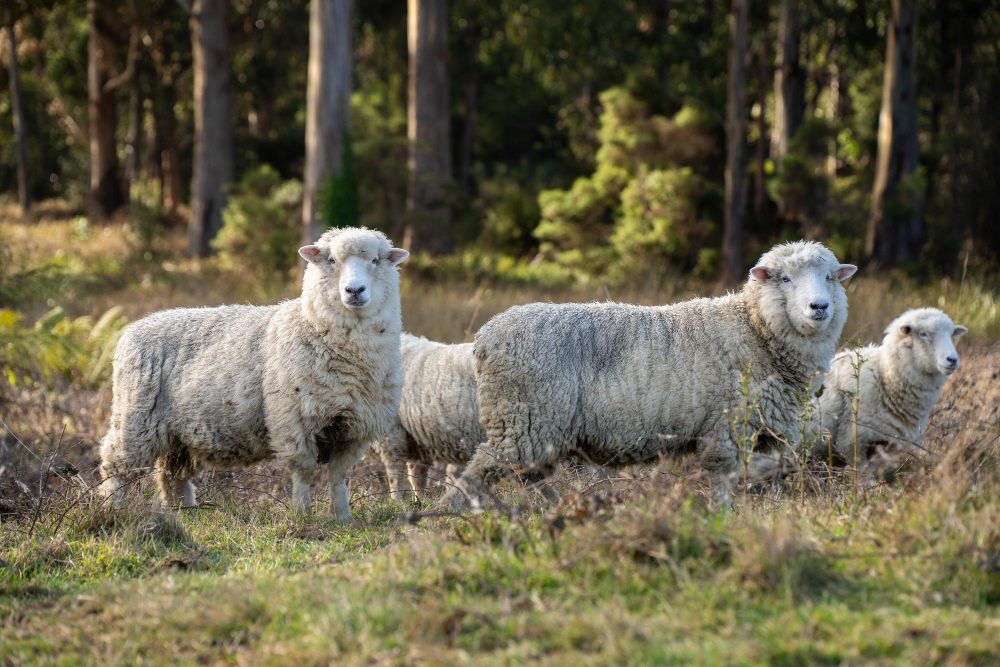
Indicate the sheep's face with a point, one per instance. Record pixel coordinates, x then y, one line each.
806 287
358 264
927 343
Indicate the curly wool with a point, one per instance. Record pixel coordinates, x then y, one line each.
898 391
621 384
438 418
301 382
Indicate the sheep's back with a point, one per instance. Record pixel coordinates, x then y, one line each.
438 407
205 368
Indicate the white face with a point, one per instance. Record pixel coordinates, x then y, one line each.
356 275
807 292
933 347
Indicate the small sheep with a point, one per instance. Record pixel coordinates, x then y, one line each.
307 381
438 418
900 381
622 384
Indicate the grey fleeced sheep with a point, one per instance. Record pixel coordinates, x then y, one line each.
313 379
438 418
899 381
622 384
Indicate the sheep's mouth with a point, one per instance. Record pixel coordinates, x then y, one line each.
356 302
819 316
948 369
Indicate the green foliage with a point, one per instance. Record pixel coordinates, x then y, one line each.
509 215
340 203
801 185
642 202
57 347
260 227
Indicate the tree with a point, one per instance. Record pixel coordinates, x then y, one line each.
736 132
213 136
760 192
789 80
428 128
106 194
895 227
328 104
20 134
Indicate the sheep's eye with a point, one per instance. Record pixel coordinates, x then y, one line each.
333 262
830 277
924 335
375 262
786 279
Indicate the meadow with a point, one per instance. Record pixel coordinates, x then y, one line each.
819 568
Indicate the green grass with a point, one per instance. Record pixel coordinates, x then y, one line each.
905 575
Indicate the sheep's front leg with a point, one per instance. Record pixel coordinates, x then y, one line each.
340 463
417 471
301 479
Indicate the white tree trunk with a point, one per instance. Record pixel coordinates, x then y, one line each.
891 239
328 104
428 129
213 124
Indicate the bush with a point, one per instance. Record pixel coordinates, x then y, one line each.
643 199
76 350
340 204
261 227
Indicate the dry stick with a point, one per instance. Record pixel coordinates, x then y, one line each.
42 483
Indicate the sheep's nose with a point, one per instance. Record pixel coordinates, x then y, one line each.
952 360
819 305
355 290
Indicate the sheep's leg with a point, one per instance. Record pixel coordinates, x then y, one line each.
451 472
417 472
340 464
122 462
174 478
484 470
301 479
392 450
721 460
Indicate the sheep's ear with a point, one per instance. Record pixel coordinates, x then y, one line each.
397 256
761 273
959 331
846 271
905 329
310 253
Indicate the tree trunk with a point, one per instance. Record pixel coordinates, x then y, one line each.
959 222
106 195
213 126
789 80
132 138
428 128
736 132
763 77
898 234
20 132
468 136
328 104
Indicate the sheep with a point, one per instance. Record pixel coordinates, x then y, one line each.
620 384
438 418
899 382
310 380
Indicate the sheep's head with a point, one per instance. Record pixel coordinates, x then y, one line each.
799 283
924 339
358 266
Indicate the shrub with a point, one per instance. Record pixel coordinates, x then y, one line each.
261 226
77 350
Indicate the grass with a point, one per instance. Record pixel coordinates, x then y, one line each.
633 570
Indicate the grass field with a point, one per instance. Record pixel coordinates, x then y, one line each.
635 569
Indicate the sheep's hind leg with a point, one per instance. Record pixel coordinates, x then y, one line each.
175 471
417 472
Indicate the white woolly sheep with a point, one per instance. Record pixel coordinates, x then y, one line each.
620 384
311 380
438 418
899 381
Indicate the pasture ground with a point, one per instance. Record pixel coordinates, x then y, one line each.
636 569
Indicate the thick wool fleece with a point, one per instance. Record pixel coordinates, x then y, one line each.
304 382
438 418
621 384
900 382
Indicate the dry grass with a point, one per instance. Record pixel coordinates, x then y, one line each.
635 569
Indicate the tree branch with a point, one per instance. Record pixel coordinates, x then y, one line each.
126 74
